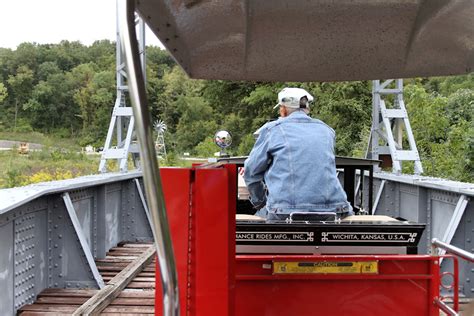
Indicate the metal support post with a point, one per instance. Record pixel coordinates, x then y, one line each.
389 124
455 220
82 240
377 198
142 198
122 123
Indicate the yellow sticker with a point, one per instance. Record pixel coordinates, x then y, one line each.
326 267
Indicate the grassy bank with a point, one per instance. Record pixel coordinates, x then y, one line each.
43 139
46 165
59 158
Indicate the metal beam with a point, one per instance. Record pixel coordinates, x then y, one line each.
142 198
122 123
388 124
82 239
377 198
455 220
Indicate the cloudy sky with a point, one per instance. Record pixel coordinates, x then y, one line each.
50 21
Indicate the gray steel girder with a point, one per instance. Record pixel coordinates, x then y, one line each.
40 246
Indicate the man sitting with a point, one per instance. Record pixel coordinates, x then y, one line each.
291 167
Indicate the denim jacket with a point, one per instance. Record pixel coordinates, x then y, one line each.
295 158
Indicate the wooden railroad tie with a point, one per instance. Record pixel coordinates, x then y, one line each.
106 295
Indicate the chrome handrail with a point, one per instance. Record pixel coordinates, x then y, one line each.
435 243
445 308
151 172
461 253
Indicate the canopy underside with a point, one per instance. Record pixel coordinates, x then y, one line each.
319 40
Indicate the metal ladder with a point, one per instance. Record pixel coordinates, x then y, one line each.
122 123
389 124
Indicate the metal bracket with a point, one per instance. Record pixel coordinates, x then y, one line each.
142 198
454 223
377 198
82 239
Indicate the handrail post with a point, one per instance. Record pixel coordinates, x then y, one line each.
457 252
435 243
151 172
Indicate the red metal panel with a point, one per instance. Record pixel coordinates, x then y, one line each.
177 190
215 239
213 281
405 285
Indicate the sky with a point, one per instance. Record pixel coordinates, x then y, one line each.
51 21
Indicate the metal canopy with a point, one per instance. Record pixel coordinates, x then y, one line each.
319 40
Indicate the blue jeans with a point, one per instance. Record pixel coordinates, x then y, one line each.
277 216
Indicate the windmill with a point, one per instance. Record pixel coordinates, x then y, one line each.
160 128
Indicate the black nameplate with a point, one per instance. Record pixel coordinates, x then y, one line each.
406 234
275 236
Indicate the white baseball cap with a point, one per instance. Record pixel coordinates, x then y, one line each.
290 97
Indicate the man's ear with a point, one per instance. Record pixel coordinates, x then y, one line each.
283 111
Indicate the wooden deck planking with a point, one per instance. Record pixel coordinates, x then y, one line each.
138 298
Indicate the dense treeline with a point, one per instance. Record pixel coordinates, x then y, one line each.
68 89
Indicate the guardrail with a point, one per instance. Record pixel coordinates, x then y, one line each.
50 233
454 252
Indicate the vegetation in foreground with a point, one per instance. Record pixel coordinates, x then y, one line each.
67 91
45 165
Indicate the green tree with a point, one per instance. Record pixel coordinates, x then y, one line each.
96 100
206 148
176 85
443 130
346 107
246 145
460 106
46 69
159 60
3 92
195 124
51 107
21 85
